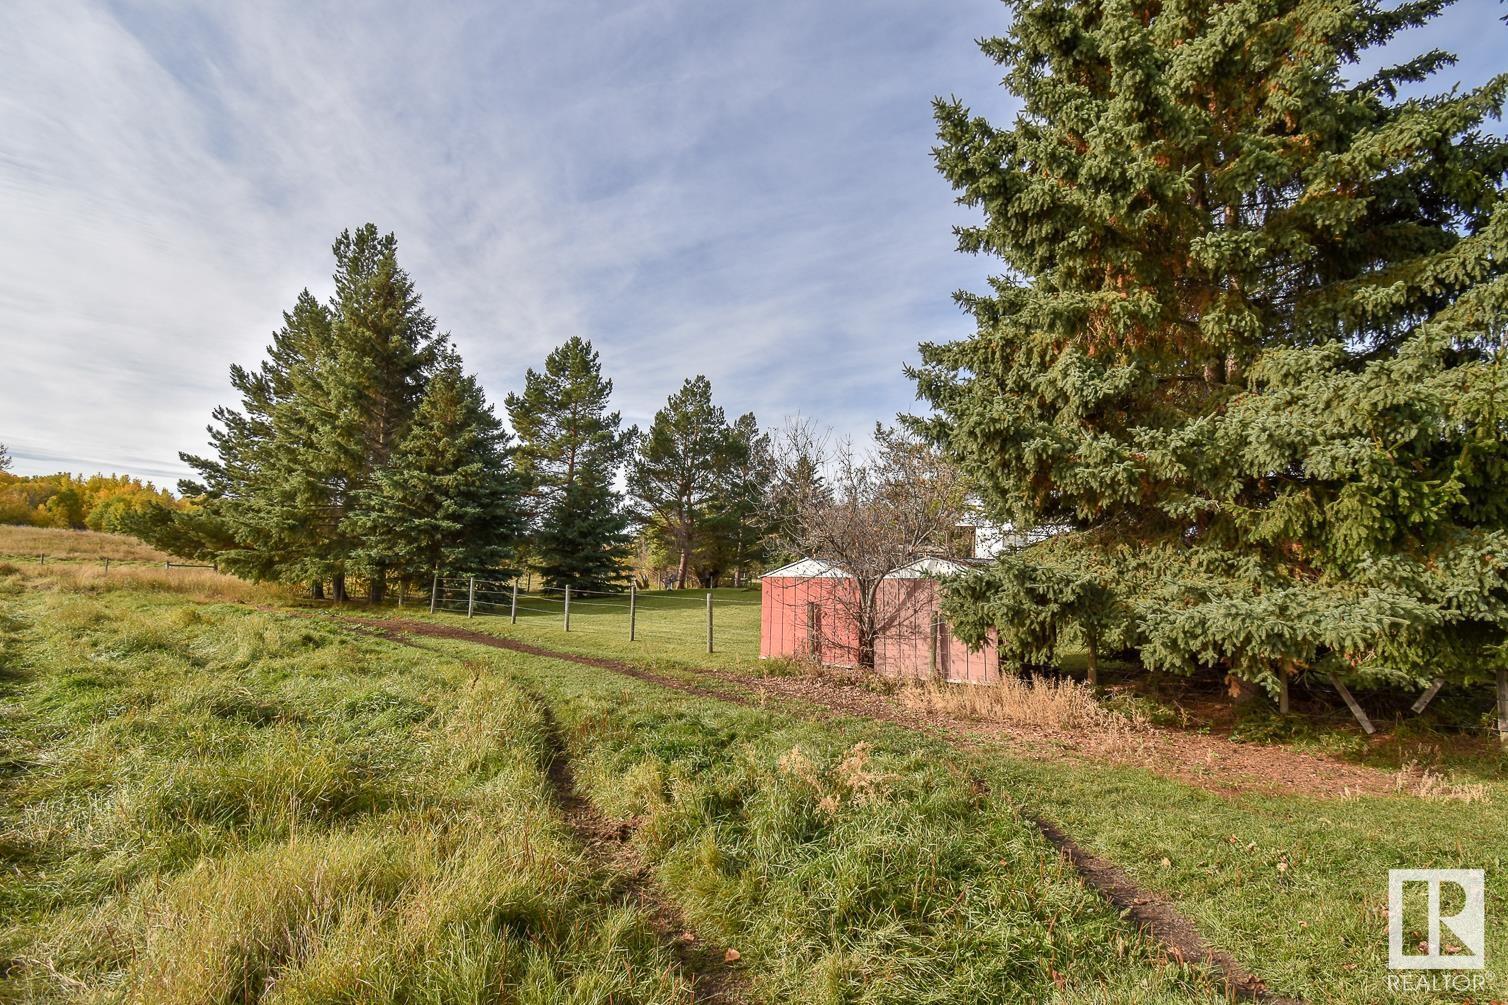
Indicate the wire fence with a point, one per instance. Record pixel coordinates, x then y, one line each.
683 616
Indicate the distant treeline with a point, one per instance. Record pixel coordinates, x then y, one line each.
361 449
98 502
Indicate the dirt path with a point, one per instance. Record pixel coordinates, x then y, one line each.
714 980
1153 914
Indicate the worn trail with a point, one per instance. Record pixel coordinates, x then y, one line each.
713 979
1153 914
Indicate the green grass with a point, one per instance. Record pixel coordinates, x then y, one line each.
670 625
207 804
1294 887
198 799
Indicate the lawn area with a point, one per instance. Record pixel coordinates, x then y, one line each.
670 625
209 801
203 803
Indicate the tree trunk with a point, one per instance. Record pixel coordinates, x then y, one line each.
866 648
1092 661
338 587
377 586
317 589
681 570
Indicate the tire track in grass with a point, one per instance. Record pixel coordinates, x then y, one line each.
713 979
1153 914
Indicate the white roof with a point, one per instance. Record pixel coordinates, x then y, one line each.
811 568
930 567
806 568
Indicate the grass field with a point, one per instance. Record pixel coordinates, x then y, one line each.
670 626
202 800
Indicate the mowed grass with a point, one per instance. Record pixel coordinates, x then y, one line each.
210 804
670 626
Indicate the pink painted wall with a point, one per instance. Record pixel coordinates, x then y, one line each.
904 648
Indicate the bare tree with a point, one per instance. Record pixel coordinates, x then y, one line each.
876 512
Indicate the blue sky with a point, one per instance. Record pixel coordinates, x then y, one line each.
740 190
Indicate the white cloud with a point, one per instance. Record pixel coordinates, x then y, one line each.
738 190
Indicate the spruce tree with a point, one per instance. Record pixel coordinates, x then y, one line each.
448 499
737 538
317 422
570 450
1246 352
677 473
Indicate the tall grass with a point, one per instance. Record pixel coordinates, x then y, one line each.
217 805
846 864
1054 703
62 544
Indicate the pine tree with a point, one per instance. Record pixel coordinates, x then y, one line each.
264 515
677 473
317 422
1247 350
737 536
448 498
570 450
5 460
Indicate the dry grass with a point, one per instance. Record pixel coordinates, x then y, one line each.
1417 780
74 545
1038 702
197 584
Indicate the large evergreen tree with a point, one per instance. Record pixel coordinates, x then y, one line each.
1246 353
448 498
318 421
570 451
677 475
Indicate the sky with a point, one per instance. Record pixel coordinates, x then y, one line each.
739 190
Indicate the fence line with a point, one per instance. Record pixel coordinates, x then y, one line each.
480 596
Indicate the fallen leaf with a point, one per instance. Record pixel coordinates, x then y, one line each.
1167 863
731 956
688 936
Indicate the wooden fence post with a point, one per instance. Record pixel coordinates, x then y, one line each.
1428 695
633 610
934 632
434 592
471 596
1356 710
709 621
513 609
567 608
1503 707
107 567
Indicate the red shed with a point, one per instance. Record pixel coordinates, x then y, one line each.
807 611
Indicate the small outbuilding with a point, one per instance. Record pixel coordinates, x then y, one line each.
808 611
